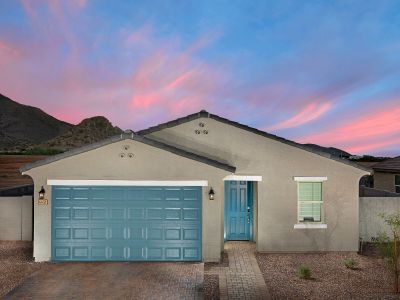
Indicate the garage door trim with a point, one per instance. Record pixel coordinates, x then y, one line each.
189 250
101 182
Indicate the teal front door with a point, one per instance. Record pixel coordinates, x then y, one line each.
238 210
95 223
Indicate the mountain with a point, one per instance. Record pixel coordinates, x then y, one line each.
88 131
22 126
331 150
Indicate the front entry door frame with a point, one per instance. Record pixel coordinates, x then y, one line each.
238 210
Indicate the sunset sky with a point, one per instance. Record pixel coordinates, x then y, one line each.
325 72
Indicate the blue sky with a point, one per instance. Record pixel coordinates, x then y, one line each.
325 72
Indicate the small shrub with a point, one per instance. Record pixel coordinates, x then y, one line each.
304 272
42 151
351 263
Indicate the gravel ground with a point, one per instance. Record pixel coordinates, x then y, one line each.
331 279
16 263
211 287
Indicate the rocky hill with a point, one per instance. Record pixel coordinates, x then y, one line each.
22 126
330 150
89 131
29 130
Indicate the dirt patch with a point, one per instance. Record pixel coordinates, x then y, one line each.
331 279
370 249
211 287
16 263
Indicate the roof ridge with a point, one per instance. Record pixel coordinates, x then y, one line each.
204 113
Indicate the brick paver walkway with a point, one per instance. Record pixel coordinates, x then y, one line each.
243 278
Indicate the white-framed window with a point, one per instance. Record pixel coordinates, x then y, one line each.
397 183
310 202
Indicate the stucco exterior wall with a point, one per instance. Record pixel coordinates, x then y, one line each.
148 163
384 181
16 218
278 163
371 224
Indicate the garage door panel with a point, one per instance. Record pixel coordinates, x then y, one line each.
137 253
173 253
99 233
99 193
81 193
116 232
99 253
155 253
172 234
118 213
117 194
173 214
173 194
153 194
137 233
80 233
190 194
126 223
62 233
191 214
62 253
80 213
155 213
191 234
117 253
62 213
154 234
62 193
98 213
190 253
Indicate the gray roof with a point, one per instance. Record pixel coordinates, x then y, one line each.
135 137
205 114
390 165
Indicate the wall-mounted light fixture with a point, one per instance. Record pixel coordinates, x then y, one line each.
211 194
41 193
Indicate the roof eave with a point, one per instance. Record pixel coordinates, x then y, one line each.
131 136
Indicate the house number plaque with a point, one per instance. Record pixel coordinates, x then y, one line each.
43 201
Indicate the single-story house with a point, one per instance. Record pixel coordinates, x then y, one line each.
178 190
387 175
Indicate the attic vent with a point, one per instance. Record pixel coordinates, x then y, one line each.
203 130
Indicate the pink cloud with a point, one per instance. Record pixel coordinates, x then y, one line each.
371 131
175 81
310 112
369 146
8 52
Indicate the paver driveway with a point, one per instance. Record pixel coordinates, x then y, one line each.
113 280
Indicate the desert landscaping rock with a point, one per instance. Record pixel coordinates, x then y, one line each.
331 279
211 287
16 263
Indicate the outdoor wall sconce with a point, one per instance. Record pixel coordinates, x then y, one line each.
41 193
211 194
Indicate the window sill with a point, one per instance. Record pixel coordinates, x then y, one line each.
310 226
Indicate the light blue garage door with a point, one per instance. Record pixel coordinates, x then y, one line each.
126 223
